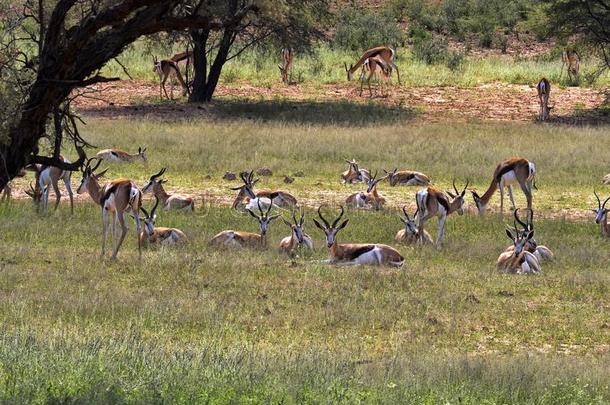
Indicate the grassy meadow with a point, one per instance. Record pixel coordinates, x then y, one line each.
195 325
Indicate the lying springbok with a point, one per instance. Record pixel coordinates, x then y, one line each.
375 67
406 178
152 235
168 201
541 252
286 66
118 155
298 238
434 203
518 260
385 53
514 170
409 233
116 198
544 91
356 253
239 239
370 197
246 191
353 174
601 215
606 179
571 59
49 176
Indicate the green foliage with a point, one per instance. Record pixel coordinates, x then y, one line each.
434 50
358 30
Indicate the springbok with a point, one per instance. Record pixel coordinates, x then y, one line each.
354 174
375 67
601 215
606 179
544 91
385 53
246 191
514 170
369 198
356 253
406 178
119 155
168 68
152 235
117 197
35 193
48 177
286 66
432 202
298 238
541 252
239 239
169 201
571 59
518 260
409 234
186 57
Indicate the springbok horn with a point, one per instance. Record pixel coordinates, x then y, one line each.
336 221
99 162
604 204
404 209
517 219
154 176
599 203
154 208
455 188
145 212
322 218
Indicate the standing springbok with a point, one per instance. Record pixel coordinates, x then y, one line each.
246 191
116 198
119 155
48 177
298 238
152 235
544 91
356 253
518 260
601 215
286 66
571 59
354 174
541 252
375 67
409 234
169 201
385 53
168 69
432 202
239 239
514 170
406 178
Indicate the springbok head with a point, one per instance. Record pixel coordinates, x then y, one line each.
298 226
89 174
527 226
35 192
519 239
154 180
601 211
156 65
142 153
372 182
391 176
410 225
349 71
331 230
149 219
247 188
264 219
458 197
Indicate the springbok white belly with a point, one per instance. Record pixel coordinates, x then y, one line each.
371 257
509 178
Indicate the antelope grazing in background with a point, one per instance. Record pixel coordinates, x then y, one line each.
298 238
152 235
168 69
406 178
286 66
385 53
514 170
356 253
434 203
186 57
375 67
238 239
48 177
601 215
541 252
369 198
606 179
571 59
544 91
115 198
169 201
409 234
354 174
518 260
119 155
246 191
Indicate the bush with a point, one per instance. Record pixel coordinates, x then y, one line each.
358 30
431 50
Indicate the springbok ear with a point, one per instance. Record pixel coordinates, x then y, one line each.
251 213
343 225
450 194
101 174
271 218
286 222
529 235
475 195
139 149
318 225
509 234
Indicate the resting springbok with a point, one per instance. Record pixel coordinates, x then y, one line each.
118 155
406 178
152 235
434 203
298 238
541 252
370 197
169 201
571 59
409 233
48 177
518 260
385 53
601 215
356 253
353 174
286 66
375 67
246 191
544 91
239 239
168 69
514 170
117 197
606 179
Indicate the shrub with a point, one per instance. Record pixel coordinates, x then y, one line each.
359 29
431 50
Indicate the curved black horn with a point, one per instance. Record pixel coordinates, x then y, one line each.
336 221
145 212
530 219
271 197
599 203
154 208
604 204
302 219
517 219
465 187
260 209
404 209
154 176
455 188
99 162
322 217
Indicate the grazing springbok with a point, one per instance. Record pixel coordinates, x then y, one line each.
541 252
571 59
544 91
354 174
116 198
518 259
601 215
239 239
434 203
35 192
369 198
356 253
375 67
169 201
298 238
118 155
168 69
385 53
246 191
406 178
286 66
514 170
152 235
409 234
48 177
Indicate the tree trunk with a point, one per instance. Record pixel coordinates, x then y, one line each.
200 65
221 58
